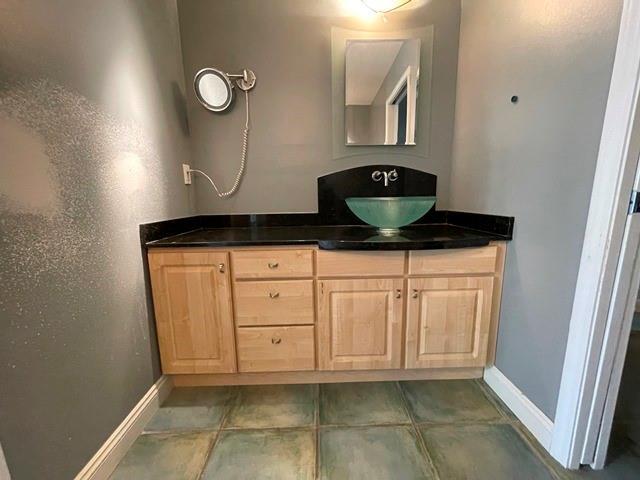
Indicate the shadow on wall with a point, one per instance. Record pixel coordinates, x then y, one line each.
180 105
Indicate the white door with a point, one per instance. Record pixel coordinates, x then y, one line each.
620 318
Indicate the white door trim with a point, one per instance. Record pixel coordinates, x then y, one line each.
614 176
106 459
408 78
615 345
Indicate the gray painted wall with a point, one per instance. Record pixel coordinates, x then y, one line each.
92 134
534 160
288 45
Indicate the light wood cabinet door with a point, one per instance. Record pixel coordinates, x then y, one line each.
448 322
360 324
192 299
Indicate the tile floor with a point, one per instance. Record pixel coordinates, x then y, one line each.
443 430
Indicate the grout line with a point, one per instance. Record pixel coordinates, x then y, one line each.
308 427
416 432
364 425
492 421
236 394
537 450
503 410
180 431
208 455
516 424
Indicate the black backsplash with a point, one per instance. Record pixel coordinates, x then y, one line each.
333 188
357 182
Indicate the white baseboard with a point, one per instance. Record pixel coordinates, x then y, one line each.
4 469
531 416
109 455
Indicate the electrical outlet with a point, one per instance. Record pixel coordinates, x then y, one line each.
186 173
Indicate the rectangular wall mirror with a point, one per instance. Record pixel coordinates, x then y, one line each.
381 91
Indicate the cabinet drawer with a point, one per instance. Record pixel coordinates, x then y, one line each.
464 260
336 264
272 263
270 302
275 349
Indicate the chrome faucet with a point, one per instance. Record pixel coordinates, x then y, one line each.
391 176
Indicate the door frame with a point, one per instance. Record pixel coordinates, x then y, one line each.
592 354
391 110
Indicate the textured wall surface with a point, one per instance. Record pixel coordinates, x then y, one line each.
534 160
287 43
92 134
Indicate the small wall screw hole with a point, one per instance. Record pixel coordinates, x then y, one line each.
514 99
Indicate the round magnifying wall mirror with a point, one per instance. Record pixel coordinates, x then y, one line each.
213 89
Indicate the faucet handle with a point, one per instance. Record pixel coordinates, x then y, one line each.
376 176
393 175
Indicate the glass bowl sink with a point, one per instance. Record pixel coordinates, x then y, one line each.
390 213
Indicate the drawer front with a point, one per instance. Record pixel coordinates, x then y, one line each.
250 264
276 349
270 302
465 260
340 264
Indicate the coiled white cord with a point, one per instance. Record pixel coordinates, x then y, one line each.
243 158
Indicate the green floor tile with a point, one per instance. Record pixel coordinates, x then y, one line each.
165 456
263 454
192 409
481 452
366 453
623 461
445 401
361 404
276 406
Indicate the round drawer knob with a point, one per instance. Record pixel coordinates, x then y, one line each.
276 340
273 265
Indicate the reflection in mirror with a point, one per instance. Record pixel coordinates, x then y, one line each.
213 89
381 88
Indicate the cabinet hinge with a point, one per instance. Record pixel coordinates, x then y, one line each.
634 202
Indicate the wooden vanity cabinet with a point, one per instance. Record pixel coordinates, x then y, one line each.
316 315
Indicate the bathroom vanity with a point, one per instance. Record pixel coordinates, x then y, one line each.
299 298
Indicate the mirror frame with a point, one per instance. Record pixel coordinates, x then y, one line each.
224 77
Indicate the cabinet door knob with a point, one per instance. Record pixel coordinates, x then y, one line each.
273 265
274 294
415 293
276 340
398 293
221 267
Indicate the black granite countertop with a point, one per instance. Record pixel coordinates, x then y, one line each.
334 237
334 226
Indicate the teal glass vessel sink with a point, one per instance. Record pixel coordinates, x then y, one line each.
390 213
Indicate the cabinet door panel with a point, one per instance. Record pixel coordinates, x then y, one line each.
192 299
448 321
359 324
